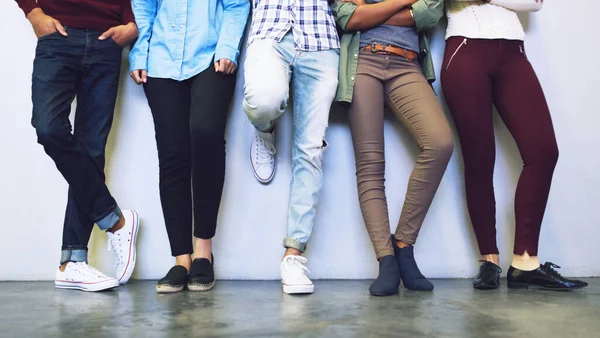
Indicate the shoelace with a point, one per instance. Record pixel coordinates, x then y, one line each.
84 269
113 245
490 267
549 267
265 151
297 261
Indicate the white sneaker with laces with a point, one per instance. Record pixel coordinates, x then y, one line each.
81 276
293 275
122 242
262 156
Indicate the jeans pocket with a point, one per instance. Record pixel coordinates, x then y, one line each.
48 35
115 42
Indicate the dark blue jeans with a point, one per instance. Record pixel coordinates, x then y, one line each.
78 65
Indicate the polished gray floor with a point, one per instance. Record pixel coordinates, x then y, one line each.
259 309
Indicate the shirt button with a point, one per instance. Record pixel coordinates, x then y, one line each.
173 25
352 78
355 55
181 26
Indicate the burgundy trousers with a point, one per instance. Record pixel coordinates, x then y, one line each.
478 74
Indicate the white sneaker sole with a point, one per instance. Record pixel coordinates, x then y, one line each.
201 287
298 288
98 286
258 178
132 251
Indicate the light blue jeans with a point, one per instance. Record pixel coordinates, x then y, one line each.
268 70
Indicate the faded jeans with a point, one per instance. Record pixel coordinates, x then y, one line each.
270 66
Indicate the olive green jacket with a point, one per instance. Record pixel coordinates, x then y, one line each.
427 13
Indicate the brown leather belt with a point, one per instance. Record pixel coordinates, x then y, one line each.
381 49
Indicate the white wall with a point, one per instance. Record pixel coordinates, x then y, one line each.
252 219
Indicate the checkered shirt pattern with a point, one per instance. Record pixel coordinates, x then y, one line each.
311 22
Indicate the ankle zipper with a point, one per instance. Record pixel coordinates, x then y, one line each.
456 51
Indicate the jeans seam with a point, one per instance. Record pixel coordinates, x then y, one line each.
105 214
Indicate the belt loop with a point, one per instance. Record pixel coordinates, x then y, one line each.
373 47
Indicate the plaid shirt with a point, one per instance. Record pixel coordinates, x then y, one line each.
311 22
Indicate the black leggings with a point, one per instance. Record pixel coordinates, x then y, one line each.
189 120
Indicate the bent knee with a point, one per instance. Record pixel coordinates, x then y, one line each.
265 106
439 150
546 157
47 134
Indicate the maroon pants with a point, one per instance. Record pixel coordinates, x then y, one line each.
480 73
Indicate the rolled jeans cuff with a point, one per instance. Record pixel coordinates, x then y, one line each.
110 219
294 244
73 255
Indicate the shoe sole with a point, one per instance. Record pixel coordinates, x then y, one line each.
382 294
298 289
88 287
263 181
485 287
200 287
537 287
166 288
132 250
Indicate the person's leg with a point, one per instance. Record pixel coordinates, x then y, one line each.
468 91
366 116
267 75
169 101
211 95
56 76
314 85
522 105
96 98
414 103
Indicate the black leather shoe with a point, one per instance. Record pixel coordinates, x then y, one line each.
174 281
488 277
202 276
544 277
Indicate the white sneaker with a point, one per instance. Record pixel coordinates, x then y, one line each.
262 156
293 275
122 242
81 276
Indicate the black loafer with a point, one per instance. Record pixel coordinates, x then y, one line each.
488 277
544 277
174 281
202 276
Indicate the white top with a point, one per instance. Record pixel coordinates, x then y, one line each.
496 19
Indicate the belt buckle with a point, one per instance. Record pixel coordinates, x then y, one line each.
373 48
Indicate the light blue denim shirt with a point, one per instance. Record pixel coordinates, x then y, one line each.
179 38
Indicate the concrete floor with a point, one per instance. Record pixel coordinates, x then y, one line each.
259 309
